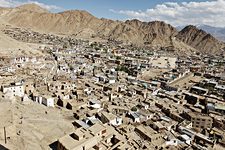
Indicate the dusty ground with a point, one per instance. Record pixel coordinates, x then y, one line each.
147 75
164 62
33 126
186 81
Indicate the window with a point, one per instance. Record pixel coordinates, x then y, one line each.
104 131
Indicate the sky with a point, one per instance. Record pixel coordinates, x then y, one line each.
175 12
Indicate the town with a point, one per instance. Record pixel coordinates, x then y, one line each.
82 95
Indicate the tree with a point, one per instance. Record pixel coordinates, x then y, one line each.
118 57
134 109
97 48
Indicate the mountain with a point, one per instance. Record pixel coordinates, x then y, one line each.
200 39
148 33
218 32
32 8
82 24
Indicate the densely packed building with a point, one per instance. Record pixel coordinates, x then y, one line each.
120 98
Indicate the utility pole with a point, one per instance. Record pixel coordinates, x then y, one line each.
5 135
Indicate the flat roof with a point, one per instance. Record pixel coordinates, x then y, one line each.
109 116
158 124
197 115
72 144
82 124
220 87
148 131
220 106
68 142
96 128
135 114
199 88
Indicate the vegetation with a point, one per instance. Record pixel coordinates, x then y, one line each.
97 48
105 50
118 57
134 109
122 68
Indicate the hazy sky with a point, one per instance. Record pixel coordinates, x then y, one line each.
175 12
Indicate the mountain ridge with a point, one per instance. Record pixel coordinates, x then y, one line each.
199 39
218 32
82 24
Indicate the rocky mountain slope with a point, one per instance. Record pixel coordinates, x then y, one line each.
199 39
218 32
82 24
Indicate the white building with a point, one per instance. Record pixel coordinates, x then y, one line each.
111 119
14 90
45 100
94 104
112 81
7 69
135 116
173 142
48 101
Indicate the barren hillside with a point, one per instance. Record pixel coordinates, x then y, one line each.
82 24
199 39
